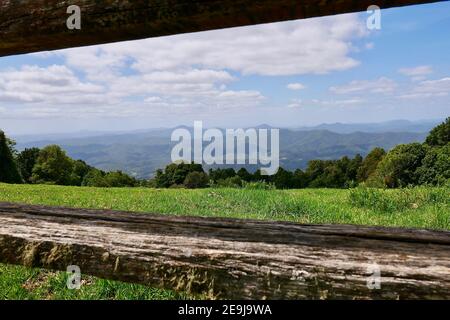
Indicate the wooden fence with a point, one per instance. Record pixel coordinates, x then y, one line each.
38 25
228 258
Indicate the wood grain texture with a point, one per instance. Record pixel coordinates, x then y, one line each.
39 25
228 258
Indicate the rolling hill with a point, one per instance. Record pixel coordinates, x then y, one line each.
141 153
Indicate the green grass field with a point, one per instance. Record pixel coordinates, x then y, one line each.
415 208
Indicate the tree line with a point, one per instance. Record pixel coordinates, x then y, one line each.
51 165
405 165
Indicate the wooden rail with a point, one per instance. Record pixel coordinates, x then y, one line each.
227 258
38 25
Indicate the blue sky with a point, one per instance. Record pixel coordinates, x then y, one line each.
306 72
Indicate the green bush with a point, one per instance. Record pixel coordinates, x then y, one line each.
196 180
115 179
231 182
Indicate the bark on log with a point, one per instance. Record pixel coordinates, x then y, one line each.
227 258
38 25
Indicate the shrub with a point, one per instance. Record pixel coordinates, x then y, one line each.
196 180
232 182
176 174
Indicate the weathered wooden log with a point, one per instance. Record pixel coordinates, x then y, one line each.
38 25
227 258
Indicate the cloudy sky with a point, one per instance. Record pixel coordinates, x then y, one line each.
297 73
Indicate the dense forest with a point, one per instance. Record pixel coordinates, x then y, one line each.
405 165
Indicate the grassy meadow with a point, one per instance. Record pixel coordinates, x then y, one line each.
419 207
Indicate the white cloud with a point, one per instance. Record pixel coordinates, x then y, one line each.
428 89
295 86
54 87
190 76
313 46
381 85
188 73
297 103
53 84
417 71
153 99
343 102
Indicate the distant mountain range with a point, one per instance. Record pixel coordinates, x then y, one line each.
141 153
390 126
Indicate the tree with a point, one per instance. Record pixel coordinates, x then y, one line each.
221 174
161 180
115 179
315 171
398 168
299 179
334 175
283 179
9 172
439 136
196 180
79 171
175 174
258 177
12 146
26 160
118 179
95 178
329 173
244 175
370 163
53 166
435 169
353 168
